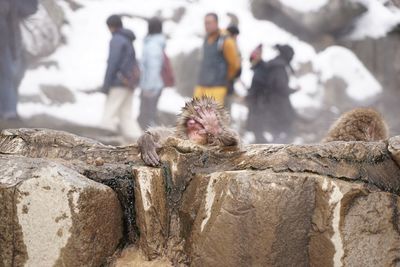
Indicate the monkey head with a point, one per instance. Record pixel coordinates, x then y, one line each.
201 120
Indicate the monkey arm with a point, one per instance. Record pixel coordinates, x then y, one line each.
150 141
228 137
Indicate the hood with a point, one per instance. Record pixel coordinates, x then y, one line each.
286 51
157 38
127 34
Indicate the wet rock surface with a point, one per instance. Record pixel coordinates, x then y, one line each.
261 205
53 216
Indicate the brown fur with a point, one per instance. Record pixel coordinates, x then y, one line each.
156 137
359 124
223 118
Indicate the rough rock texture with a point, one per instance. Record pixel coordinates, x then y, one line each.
334 204
151 212
45 143
273 205
53 216
82 155
394 148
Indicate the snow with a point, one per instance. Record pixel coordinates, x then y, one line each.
81 62
377 21
341 62
305 6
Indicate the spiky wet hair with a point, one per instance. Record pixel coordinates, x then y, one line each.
188 111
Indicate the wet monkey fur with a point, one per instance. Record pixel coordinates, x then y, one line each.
359 124
202 121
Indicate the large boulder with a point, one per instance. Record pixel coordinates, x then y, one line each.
333 18
42 31
263 218
333 204
53 216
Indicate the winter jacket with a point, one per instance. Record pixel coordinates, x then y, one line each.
152 61
268 97
229 55
121 58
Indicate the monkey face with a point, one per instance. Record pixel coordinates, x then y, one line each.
195 132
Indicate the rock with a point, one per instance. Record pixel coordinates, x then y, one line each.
327 204
133 257
394 148
334 18
371 227
53 216
57 94
99 161
258 206
46 143
79 153
263 218
249 211
151 210
42 31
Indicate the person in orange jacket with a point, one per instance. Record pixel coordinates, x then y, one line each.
220 63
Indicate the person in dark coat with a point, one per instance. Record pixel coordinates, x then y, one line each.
120 64
268 100
11 52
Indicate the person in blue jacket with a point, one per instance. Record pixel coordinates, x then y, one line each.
12 65
151 80
120 63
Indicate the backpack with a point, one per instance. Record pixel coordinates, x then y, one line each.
167 73
131 80
220 45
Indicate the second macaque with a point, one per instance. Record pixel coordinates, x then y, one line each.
359 124
202 121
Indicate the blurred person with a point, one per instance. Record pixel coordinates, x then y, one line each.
268 97
12 12
220 61
152 82
120 63
233 32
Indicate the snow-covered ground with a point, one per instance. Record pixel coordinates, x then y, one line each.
82 61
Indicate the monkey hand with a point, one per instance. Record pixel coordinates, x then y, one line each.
209 120
148 150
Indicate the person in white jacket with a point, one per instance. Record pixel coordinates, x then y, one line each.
151 80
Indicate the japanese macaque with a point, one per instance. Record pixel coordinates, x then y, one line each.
202 121
359 124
